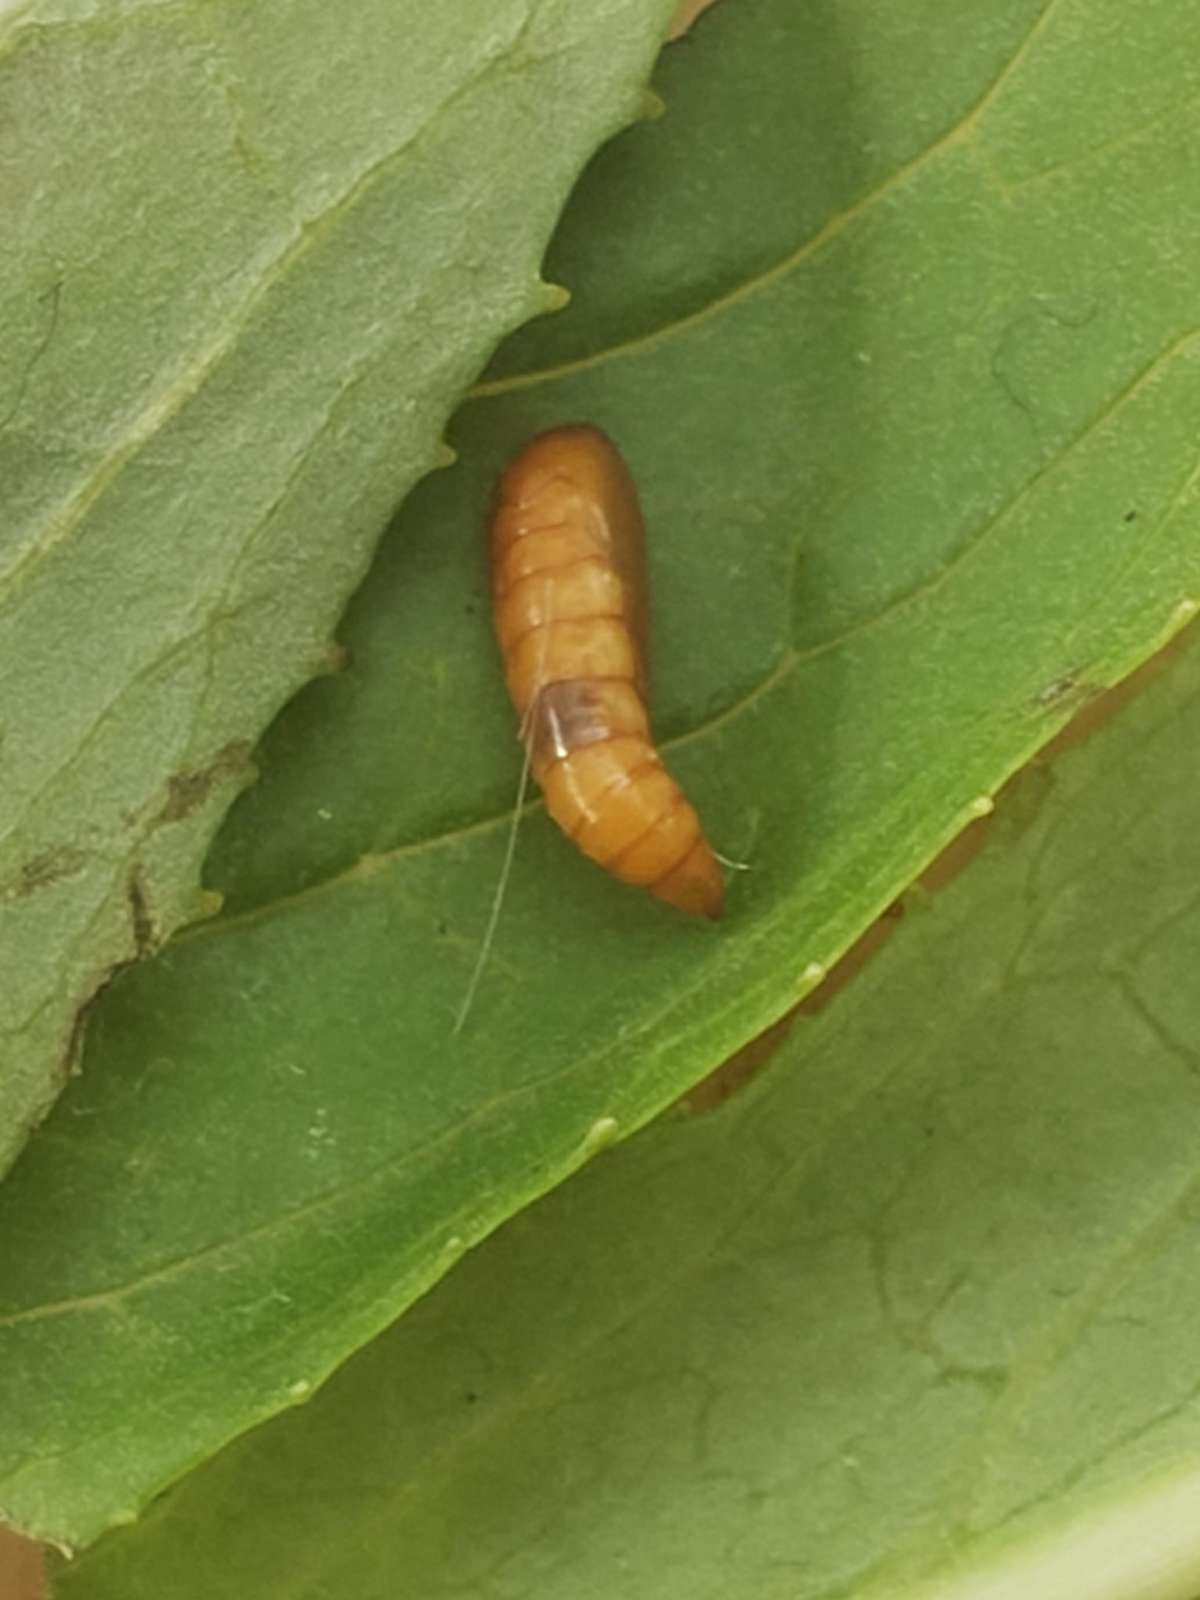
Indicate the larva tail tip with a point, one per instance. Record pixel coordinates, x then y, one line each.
554 297
651 106
695 885
445 456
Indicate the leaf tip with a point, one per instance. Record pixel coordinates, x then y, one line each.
651 106
370 864
603 1131
445 456
553 297
208 903
814 973
335 658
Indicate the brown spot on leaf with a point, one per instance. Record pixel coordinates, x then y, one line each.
188 790
22 1571
42 871
145 936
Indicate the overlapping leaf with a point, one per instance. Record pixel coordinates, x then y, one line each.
919 1308
252 256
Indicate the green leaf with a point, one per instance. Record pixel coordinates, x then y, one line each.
902 347
259 253
918 1307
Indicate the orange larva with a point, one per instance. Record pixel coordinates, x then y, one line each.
569 602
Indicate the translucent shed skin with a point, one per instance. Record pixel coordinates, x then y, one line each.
569 603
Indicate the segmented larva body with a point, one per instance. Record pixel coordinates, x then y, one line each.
569 602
